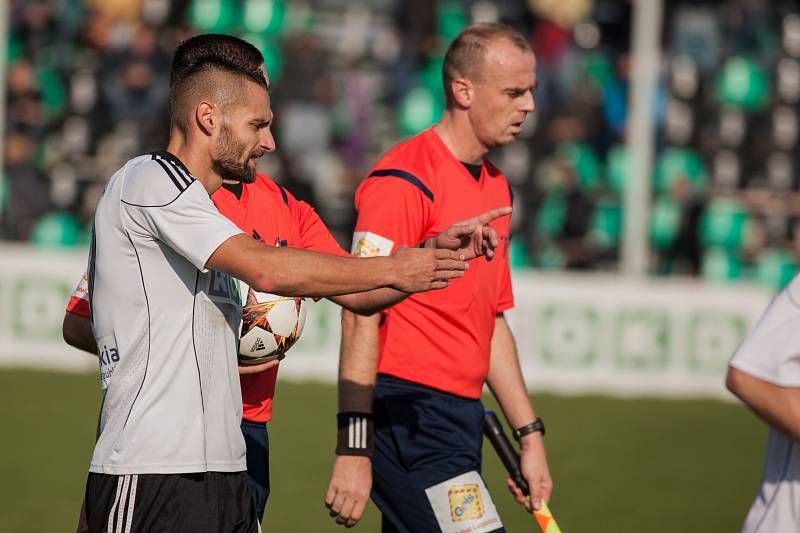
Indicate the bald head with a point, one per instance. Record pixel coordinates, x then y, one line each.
466 55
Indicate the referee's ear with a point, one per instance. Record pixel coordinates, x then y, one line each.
462 92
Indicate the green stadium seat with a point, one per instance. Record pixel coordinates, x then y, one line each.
5 191
57 229
550 257
264 16
680 163
451 18
419 109
720 266
743 83
550 215
16 47
775 268
618 169
431 76
213 16
598 69
665 221
54 93
585 162
518 253
606 225
273 58
724 224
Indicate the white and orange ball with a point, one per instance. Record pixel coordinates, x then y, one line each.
271 325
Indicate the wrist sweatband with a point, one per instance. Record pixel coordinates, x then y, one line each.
355 433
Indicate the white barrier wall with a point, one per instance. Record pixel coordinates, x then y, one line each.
576 333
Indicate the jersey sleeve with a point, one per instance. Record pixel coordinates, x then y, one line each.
392 212
314 234
771 351
79 300
506 299
189 224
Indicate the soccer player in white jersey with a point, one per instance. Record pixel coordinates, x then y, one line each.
765 374
165 311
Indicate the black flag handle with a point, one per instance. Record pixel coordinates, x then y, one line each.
493 430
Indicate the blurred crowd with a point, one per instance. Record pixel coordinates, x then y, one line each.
88 79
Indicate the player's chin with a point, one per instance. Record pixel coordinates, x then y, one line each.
504 139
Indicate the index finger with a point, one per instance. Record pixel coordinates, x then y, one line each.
460 229
488 216
536 493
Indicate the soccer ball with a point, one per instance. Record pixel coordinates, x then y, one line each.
271 325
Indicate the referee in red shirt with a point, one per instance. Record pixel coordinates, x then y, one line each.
413 435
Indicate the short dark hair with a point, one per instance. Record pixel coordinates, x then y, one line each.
208 55
465 54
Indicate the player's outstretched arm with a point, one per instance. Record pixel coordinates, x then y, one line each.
295 272
777 406
351 478
505 381
77 332
471 238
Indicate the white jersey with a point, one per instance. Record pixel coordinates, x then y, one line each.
771 352
166 328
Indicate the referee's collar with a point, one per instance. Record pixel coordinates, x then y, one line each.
167 155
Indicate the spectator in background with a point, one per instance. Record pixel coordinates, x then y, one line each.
24 99
26 187
573 239
685 253
135 82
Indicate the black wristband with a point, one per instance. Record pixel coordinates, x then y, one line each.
355 434
536 425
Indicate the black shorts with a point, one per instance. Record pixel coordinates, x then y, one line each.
213 502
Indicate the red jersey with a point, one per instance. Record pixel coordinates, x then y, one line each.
272 215
440 339
268 213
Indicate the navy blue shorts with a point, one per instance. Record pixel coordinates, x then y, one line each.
427 461
257 440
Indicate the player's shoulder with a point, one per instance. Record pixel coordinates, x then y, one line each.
415 154
413 161
155 180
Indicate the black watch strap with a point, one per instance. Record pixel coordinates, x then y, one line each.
536 425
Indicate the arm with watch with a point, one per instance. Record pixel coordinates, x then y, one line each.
505 381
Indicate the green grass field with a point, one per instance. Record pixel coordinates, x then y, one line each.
643 466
